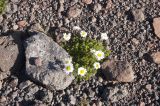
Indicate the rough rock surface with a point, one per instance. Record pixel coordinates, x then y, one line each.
87 1
138 15
118 70
50 71
156 25
10 54
115 94
74 12
156 57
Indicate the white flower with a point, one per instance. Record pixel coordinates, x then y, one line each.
66 36
99 55
83 34
104 36
82 71
92 50
68 68
68 60
96 65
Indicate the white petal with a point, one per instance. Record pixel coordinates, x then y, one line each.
79 70
96 65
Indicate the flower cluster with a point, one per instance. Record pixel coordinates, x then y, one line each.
86 54
68 62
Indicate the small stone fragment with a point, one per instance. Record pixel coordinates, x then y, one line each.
2 99
25 84
94 19
76 28
156 57
15 27
100 79
94 104
135 41
109 4
22 24
14 83
87 1
14 1
36 27
1 18
74 12
118 70
99 103
72 100
156 25
149 87
11 8
4 75
61 1
0 84
142 104
138 15
97 7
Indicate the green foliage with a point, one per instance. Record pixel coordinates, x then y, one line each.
80 50
2 5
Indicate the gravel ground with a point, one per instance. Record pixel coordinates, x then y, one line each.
131 38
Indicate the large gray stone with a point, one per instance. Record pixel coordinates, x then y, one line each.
45 62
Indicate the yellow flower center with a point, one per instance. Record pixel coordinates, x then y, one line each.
99 55
68 68
83 33
81 71
97 65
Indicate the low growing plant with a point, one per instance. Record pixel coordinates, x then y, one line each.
2 5
86 55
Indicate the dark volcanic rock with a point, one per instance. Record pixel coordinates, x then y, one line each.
50 70
118 70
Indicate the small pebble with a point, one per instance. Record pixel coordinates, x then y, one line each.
87 1
2 99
